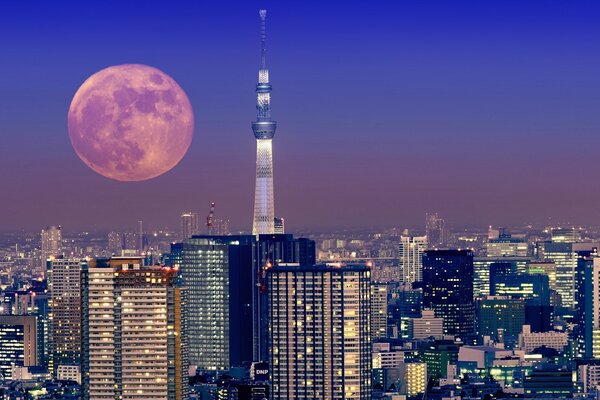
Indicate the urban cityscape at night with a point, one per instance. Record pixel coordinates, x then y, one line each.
299 201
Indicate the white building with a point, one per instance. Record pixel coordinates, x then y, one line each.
69 373
528 341
410 251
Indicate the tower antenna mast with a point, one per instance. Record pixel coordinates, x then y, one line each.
263 37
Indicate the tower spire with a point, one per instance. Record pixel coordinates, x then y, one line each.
263 37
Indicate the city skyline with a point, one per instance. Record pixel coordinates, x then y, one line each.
484 103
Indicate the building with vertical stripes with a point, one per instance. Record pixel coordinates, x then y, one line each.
319 332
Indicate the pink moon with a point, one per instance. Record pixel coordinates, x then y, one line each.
130 122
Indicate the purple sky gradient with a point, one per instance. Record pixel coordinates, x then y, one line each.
486 113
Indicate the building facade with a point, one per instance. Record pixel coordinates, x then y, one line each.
319 320
135 332
448 289
65 287
410 252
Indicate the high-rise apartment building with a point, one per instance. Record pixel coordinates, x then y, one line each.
410 252
379 305
51 242
65 288
18 343
273 250
434 230
319 320
448 288
135 332
190 224
115 243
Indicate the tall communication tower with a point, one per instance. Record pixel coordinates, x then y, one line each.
264 130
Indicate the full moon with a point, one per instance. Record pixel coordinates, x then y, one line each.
130 122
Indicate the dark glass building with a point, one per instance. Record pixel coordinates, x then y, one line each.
448 289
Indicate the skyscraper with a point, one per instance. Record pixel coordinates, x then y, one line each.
379 305
204 268
218 271
319 332
135 332
448 288
587 295
411 250
64 285
190 224
434 230
51 242
273 250
264 130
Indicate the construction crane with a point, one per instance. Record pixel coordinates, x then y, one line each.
209 218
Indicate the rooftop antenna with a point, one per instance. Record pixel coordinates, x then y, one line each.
263 35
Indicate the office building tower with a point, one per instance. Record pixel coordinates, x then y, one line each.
501 318
566 235
190 224
264 130
18 343
587 299
319 320
135 332
565 259
218 273
131 241
506 245
65 288
273 250
379 305
51 242
481 270
448 289
115 243
434 230
204 269
427 326
410 252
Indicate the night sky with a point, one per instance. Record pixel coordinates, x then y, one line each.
485 111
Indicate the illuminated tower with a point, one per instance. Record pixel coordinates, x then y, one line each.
264 130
